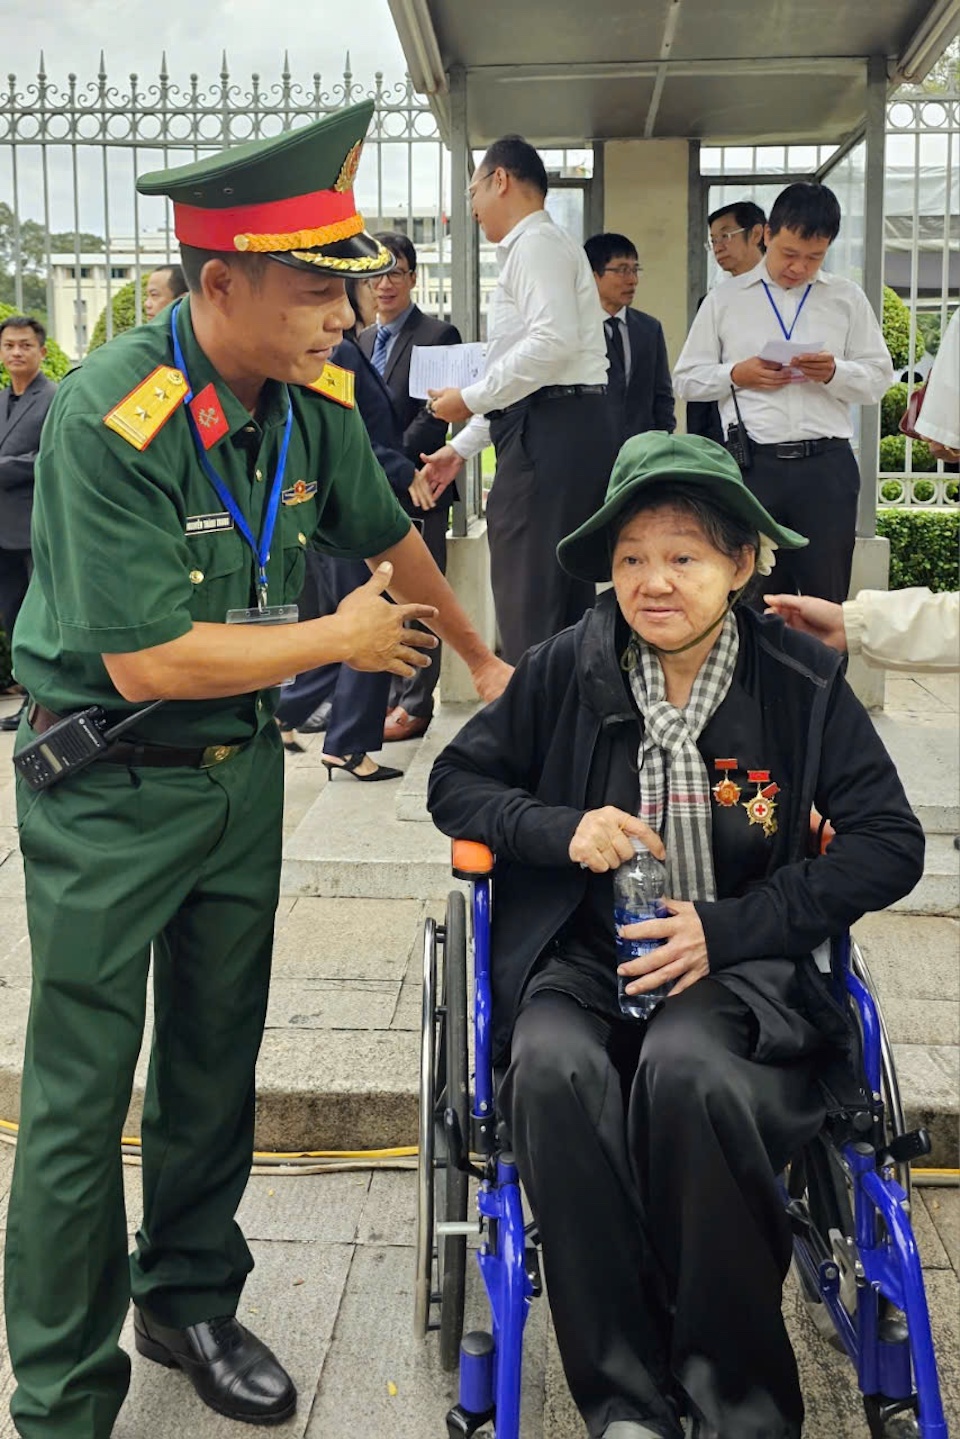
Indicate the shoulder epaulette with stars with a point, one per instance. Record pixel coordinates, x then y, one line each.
335 383
148 407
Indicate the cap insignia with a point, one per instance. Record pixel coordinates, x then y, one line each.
348 170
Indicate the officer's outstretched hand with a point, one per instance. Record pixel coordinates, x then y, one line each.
378 634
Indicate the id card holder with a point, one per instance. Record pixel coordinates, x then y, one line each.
269 615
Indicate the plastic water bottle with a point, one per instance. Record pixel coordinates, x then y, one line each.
638 887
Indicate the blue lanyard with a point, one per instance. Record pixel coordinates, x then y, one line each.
261 548
787 334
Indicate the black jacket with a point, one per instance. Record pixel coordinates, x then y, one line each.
421 433
522 772
647 402
379 417
19 443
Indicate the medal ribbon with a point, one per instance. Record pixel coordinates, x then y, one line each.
787 334
261 547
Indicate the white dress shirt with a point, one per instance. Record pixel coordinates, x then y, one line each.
940 413
545 324
736 320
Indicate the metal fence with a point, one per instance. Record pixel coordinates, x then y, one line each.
69 157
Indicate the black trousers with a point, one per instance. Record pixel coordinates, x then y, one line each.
16 567
554 458
818 497
415 694
649 1156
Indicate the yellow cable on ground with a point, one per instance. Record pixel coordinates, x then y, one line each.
331 1161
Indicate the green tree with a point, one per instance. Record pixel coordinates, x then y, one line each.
124 312
896 329
55 366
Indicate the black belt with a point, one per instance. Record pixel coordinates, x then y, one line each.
800 449
549 392
40 719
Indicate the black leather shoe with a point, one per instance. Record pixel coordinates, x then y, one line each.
231 1370
12 722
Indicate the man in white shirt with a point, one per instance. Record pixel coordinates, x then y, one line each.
796 453
541 401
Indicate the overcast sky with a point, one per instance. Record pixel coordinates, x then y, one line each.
194 33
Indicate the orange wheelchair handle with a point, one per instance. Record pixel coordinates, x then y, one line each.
470 859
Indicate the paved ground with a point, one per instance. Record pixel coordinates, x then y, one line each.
332 1293
332 1290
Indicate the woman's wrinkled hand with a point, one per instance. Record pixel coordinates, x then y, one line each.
601 840
680 962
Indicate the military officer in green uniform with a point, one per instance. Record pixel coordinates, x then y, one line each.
183 470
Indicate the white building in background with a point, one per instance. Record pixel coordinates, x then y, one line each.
81 285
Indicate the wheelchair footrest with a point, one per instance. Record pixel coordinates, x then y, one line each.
462 1425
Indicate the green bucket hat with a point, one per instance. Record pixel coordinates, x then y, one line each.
289 196
653 458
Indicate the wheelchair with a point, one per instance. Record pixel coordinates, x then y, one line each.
847 1197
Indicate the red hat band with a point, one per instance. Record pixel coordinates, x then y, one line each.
298 223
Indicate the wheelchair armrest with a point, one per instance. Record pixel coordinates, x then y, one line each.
470 859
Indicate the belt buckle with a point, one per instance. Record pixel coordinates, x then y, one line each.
215 754
792 450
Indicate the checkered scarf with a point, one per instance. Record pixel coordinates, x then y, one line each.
674 784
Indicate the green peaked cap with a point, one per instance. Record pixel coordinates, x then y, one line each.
658 458
289 196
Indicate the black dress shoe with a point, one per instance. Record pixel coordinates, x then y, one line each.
12 722
231 1370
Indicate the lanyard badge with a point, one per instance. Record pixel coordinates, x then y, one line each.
261 547
787 334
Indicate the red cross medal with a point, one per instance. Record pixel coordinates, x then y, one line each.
726 791
762 808
208 416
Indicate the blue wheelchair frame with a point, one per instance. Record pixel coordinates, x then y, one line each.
894 1362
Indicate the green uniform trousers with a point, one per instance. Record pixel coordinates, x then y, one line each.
117 860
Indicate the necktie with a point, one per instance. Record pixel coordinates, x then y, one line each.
617 377
380 349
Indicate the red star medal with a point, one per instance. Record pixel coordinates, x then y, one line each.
208 416
727 791
762 808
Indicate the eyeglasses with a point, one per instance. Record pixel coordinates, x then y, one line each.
472 189
634 271
722 238
397 270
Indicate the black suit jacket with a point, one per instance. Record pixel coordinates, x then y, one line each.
421 434
20 426
378 415
647 403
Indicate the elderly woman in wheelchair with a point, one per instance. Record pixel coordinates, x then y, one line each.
650 1150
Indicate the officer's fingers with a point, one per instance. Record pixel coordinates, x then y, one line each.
416 612
380 579
420 639
410 656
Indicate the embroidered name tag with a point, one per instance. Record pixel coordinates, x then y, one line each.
302 490
203 524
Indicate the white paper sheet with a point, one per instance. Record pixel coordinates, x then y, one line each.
440 367
783 351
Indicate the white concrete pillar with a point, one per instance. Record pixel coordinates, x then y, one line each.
468 572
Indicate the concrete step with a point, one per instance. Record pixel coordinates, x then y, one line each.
925 754
939 890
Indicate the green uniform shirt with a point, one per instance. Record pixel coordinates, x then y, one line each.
118 567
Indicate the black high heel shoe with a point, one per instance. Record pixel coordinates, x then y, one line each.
352 763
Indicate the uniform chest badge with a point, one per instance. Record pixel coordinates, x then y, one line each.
208 416
299 492
726 791
762 808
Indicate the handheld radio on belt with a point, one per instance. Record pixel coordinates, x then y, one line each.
71 744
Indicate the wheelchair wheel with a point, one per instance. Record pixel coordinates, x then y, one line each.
440 1277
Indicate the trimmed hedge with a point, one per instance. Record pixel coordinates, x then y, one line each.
55 366
896 329
893 407
124 312
923 547
893 456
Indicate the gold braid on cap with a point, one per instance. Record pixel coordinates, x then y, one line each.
382 260
300 239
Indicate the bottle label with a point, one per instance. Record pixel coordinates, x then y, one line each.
637 948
